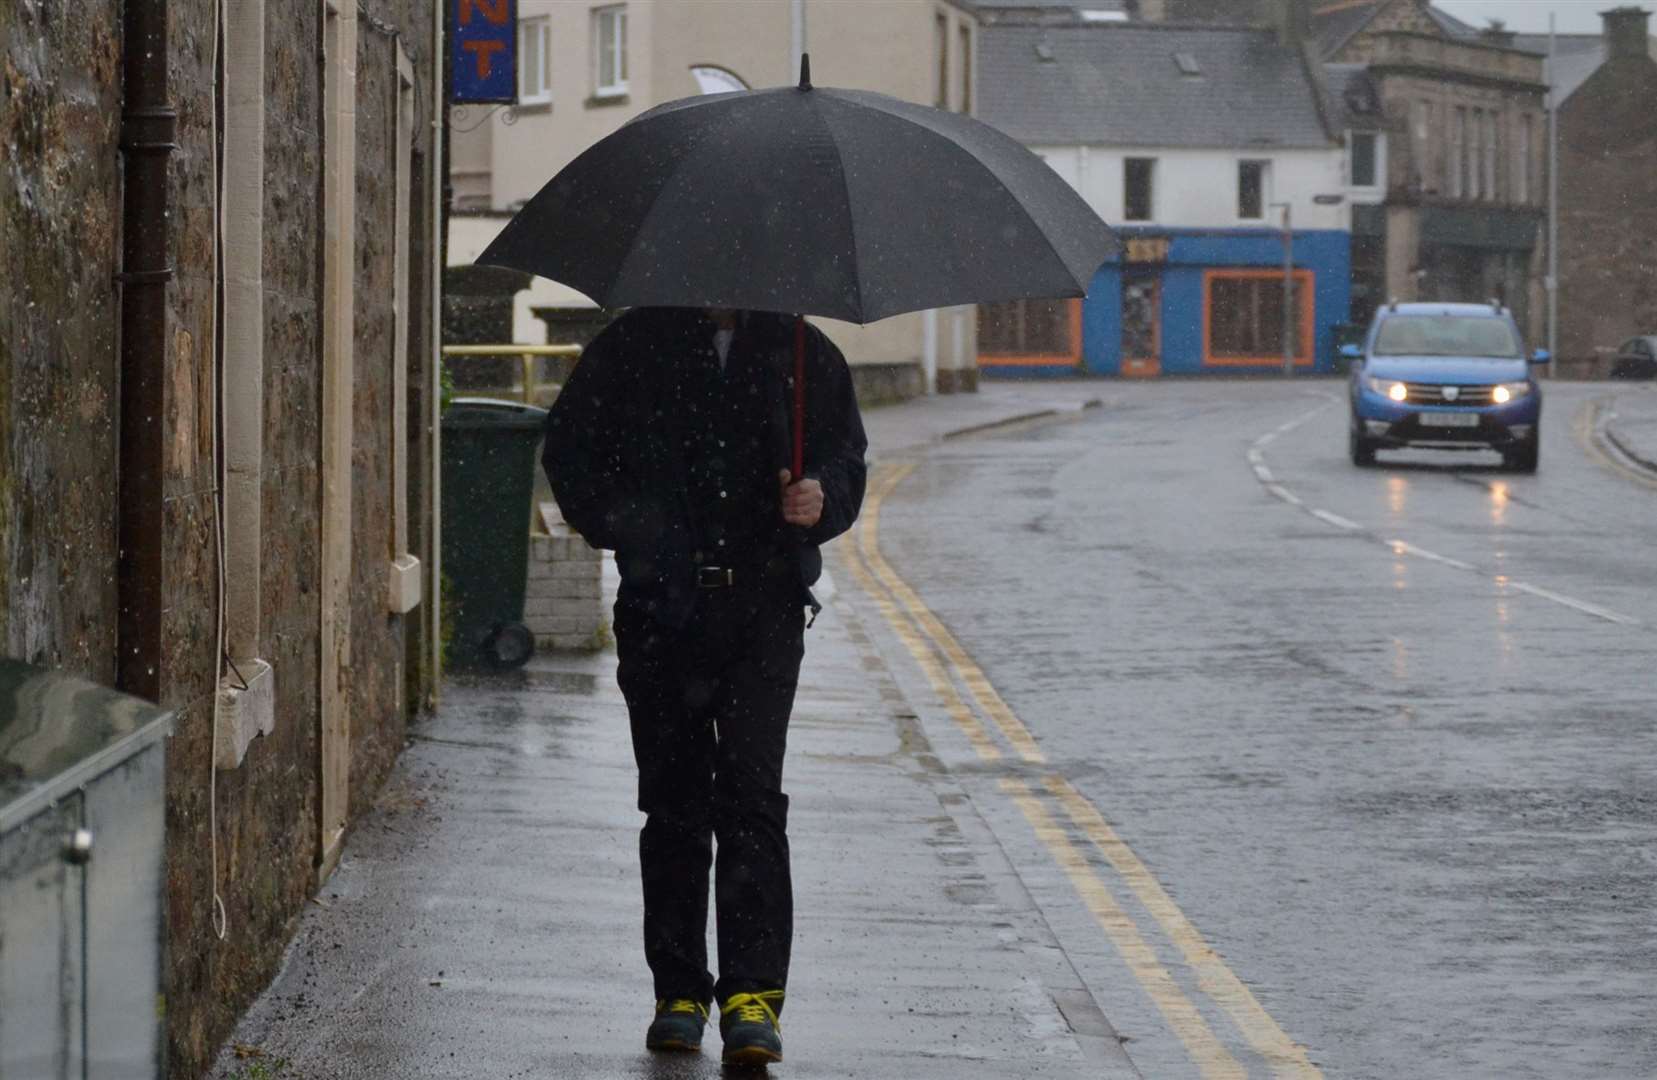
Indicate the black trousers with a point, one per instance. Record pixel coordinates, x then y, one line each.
709 707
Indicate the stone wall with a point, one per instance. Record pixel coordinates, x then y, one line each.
881 384
563 600
1607 227
60 212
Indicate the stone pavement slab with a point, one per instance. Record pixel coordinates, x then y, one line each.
484 921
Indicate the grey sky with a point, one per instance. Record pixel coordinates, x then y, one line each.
1531 16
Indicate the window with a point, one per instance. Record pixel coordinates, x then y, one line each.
534 78
610 51
1424 172
1244 316
1028 328
1365 163
1521 167
1457 158
1138 197
1446 335
1491 126
1472 156
1251 190
966 68
941 25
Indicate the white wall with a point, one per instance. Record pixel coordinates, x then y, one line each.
1198 188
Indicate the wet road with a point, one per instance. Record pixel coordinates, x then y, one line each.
1382 738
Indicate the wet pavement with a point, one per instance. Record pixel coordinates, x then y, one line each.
484 921
1143 736
1381 739
1630 423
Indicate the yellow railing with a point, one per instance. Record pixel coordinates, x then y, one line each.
525 353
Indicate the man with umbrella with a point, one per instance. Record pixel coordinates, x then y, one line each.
670 445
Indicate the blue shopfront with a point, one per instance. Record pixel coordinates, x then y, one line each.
1183 302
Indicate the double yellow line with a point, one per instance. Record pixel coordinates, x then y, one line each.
950 670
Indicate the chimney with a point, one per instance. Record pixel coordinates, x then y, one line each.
1497 33
1626 32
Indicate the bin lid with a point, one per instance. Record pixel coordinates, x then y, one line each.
59 731
477 412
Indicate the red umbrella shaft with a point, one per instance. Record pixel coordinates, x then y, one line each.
799 397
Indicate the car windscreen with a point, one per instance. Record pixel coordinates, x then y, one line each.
1446 335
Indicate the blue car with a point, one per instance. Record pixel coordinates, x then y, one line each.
1446 376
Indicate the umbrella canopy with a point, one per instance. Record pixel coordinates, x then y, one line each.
841 203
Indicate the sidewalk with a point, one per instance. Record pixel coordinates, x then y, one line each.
1631 425
484 921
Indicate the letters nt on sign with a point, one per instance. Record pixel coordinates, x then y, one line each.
484 58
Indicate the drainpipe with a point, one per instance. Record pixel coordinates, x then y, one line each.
149 125
439 249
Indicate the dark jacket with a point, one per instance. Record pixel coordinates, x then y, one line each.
613 437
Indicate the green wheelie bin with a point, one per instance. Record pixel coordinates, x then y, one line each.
489 456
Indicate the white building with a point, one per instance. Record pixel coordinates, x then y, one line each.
586 69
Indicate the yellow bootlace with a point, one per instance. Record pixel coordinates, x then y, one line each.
753 1008
684 1005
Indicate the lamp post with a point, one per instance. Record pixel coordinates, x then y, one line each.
1288 288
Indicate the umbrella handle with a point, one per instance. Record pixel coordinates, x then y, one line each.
799 397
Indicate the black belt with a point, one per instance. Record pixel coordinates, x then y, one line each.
777 567
715 577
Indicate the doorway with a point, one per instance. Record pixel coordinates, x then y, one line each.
1141 324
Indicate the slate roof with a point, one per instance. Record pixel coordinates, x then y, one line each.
1353 98
1332 29
1119 84
1579 56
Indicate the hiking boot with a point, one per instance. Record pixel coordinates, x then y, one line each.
748 1024
678 1025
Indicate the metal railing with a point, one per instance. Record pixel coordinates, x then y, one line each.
527 355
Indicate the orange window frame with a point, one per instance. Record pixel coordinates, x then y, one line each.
1305 281
1073 358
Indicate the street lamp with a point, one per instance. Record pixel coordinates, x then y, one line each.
1289 321
1288 287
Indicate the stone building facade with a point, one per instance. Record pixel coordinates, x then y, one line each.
1607 192
217 322
1462 124
1465 123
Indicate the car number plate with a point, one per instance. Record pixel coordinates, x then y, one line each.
1449 419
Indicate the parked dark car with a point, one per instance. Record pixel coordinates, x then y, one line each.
1636 359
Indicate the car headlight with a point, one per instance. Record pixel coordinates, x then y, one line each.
1389 388
1509 391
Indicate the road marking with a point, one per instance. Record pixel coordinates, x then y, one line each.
976 682
1286 1057
895 599
1583 424
1336 520
1211 1058
1402 547
1580 605
1587 428
935 674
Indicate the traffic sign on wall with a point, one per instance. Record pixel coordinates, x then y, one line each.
483 51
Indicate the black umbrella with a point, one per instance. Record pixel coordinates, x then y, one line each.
812 201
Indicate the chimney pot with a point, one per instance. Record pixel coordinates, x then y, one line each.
1627 31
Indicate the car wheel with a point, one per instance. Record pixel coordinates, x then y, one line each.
1523 458
1361 449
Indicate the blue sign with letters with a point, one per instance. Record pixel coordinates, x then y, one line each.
483 51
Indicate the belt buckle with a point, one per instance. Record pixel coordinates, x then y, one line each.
715 577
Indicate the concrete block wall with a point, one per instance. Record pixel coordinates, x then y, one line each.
564 597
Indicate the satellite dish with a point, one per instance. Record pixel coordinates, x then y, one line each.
711 79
